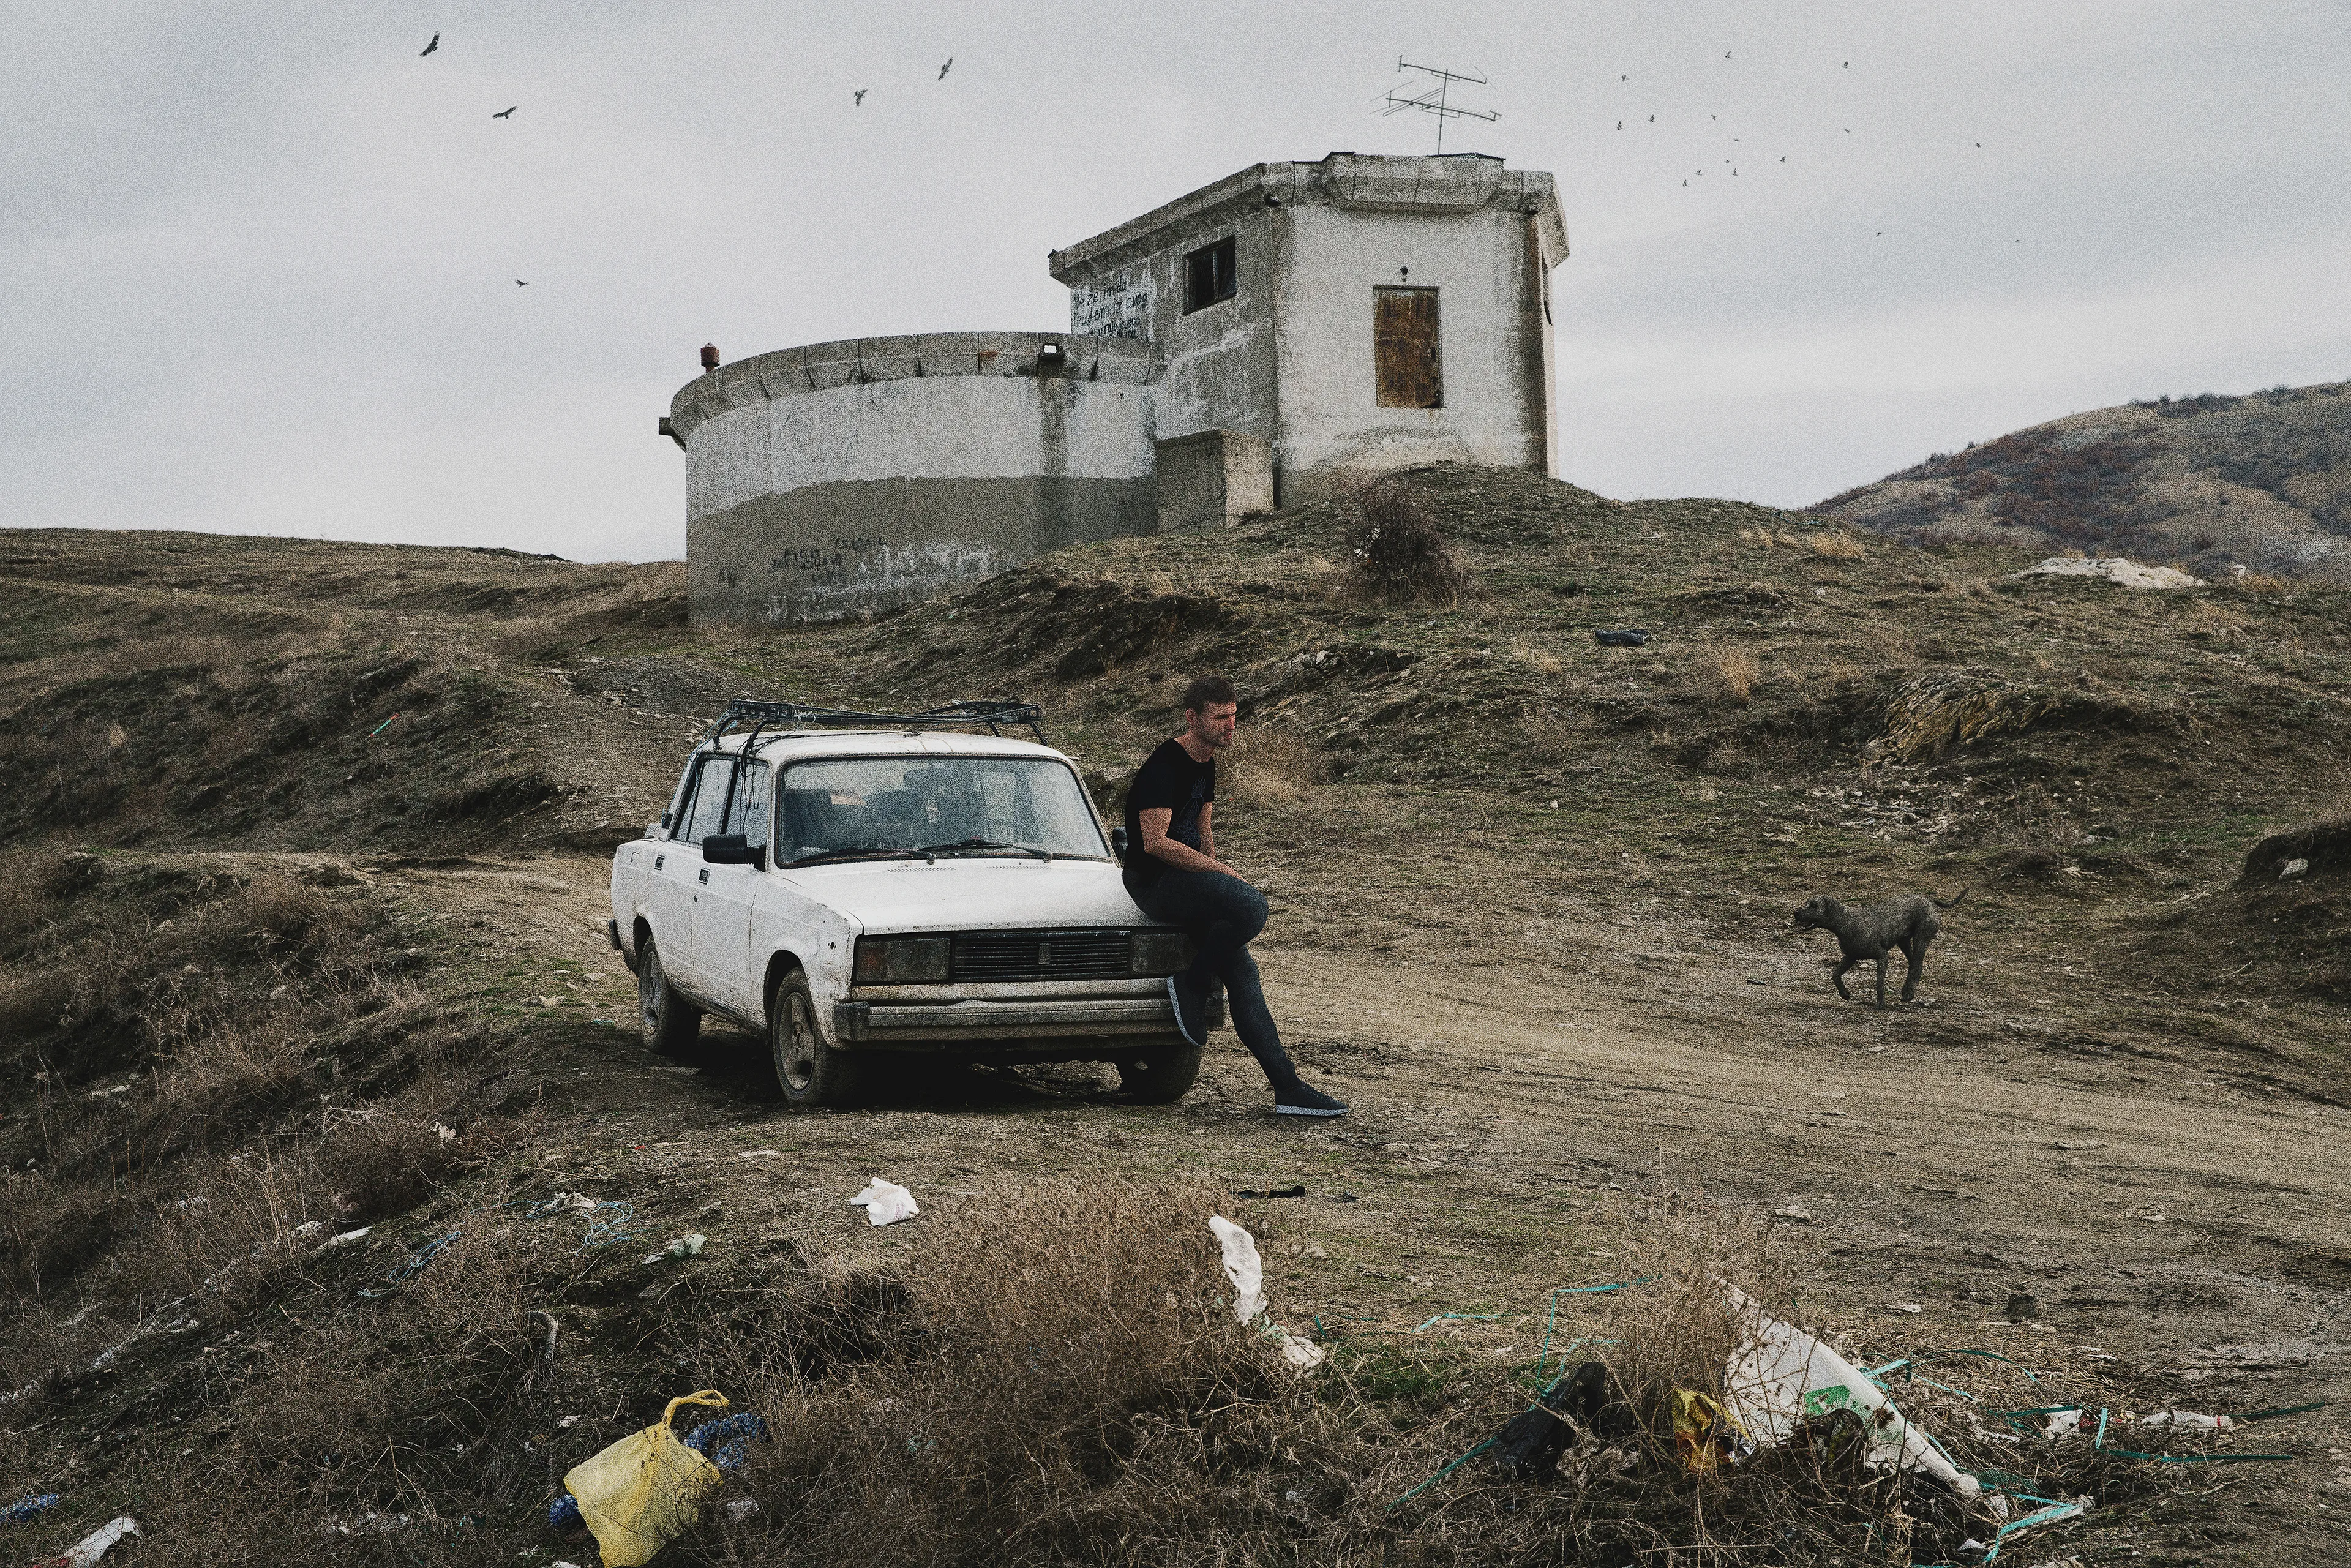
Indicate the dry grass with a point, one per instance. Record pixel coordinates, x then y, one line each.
1401 557
1736 672
1274 766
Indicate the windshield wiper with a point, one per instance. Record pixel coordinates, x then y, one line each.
985 844
824 855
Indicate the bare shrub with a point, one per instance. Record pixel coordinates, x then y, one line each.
1835 545
1400 555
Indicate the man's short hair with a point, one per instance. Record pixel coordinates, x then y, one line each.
1206 691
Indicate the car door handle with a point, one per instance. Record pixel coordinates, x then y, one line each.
704 876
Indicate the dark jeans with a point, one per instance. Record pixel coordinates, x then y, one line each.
1220 914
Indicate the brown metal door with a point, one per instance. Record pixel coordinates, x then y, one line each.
1403 347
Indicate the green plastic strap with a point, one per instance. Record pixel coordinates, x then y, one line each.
1445 1472
2283 1410
2099 1443
2050 1515
1460 1317
1551 1318
1985 1354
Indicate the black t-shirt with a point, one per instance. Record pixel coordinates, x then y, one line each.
1170 780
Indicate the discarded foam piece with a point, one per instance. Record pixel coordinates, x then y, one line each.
885 1202
639 1493
2114 570
1781 1376
1244 1271
94 1545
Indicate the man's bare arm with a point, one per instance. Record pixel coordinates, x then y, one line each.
1154 820
1209 829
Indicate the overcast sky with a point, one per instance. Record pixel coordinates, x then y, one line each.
258 263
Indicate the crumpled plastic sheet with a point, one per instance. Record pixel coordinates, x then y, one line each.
93 1546
885 1202
1244 1271
1781 1376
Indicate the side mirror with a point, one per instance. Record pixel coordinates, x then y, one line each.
1118 842
734 849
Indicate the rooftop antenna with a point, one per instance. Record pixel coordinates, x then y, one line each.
1434 100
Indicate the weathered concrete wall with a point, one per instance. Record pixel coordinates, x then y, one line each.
1213 478
834 480
1289 357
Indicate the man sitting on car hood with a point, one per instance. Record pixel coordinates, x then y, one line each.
1173 872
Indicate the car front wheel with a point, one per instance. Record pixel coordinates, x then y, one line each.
1160 1076
670 1022
807 1070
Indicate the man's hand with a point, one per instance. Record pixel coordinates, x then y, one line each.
1154 821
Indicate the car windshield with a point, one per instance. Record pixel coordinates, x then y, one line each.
1010 805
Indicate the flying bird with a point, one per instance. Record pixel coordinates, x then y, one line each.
1783 157
946 68
431 46
1620 125
1726 54
505 113
857 98
521 284
1653 120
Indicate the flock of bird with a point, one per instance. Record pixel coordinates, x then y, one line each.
1732 163
856 100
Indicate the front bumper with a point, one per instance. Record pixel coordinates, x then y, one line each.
969 1021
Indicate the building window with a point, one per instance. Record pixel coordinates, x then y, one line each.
1403 347
1210 274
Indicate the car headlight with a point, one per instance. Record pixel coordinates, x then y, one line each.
901 960
1158 953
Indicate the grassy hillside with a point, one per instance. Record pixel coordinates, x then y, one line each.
299 859
2262 482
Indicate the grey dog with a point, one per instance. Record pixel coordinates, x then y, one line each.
1874 931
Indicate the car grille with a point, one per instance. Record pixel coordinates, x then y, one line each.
982 956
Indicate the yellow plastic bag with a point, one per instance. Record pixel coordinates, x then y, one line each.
644 1489
1705 1435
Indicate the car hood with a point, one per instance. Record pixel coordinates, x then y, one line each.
971 893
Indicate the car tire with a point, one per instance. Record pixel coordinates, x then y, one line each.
809 1071
1160 1076
668 1020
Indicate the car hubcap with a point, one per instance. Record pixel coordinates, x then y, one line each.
799 1054
649 998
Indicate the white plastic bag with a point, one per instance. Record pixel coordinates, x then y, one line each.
1246 1272
885 1202
1782 1375
93 1546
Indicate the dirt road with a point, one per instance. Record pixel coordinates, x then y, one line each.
2182 1229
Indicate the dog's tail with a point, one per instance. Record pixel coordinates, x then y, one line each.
1953 902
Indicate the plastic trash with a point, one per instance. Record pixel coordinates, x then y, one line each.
2062 1424
645 1489
686 1246
2187 1420
1706 1435
94 1545
1271 1192
1245 1273
885 1202
1781 1376
19 1511
1628 639
563 1513
725 1441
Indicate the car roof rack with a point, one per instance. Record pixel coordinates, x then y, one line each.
752 719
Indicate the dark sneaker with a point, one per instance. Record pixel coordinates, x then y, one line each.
1298 1100
1190 1000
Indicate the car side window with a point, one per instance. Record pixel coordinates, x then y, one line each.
682 815
710 799
749 814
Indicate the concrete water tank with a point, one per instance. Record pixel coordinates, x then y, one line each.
831 481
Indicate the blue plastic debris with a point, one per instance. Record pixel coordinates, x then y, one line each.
723 1441
18 1512
564 1512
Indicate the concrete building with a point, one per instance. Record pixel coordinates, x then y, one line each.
1242 347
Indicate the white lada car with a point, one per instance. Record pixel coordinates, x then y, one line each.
856 888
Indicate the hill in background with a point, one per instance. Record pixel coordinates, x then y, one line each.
2261 481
